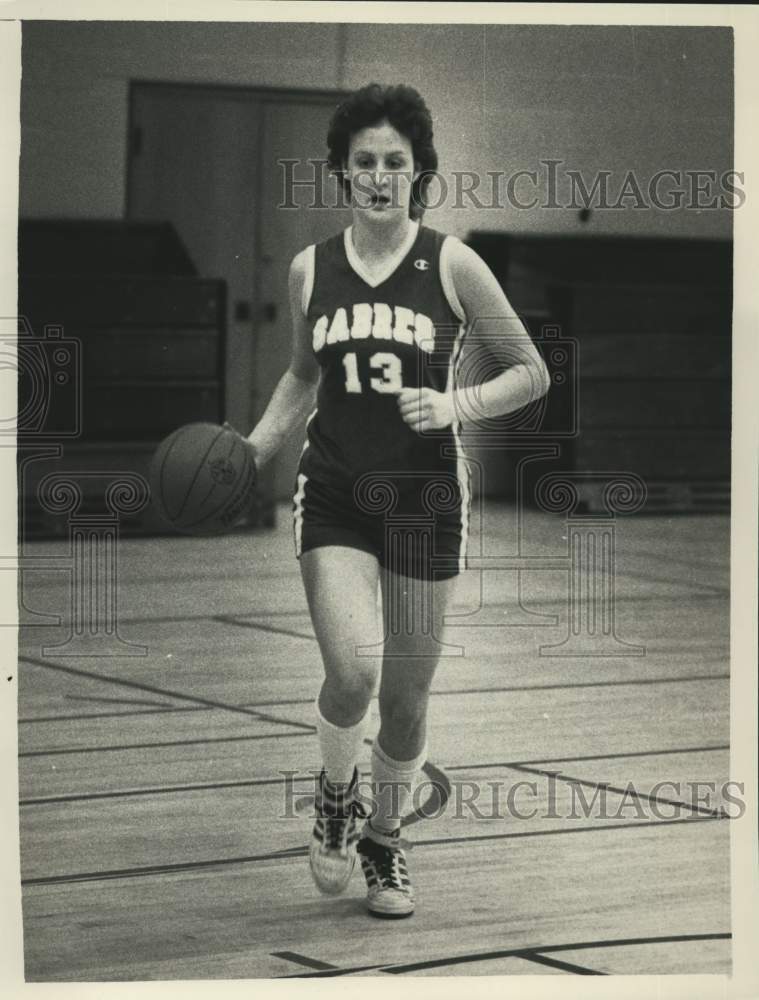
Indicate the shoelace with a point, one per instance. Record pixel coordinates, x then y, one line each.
338 828
385 862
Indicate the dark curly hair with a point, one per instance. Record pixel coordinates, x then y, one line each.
406 111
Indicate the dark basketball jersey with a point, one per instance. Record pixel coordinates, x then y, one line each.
371 338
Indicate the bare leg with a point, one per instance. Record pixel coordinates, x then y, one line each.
411 657
341 589
413 611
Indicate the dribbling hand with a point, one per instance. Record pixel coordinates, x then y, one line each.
246 441
426 409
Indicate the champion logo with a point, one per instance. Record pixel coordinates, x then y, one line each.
421 265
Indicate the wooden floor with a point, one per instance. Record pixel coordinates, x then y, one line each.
160 838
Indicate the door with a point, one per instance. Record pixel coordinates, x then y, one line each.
208 159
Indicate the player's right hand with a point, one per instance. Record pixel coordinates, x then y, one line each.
426 409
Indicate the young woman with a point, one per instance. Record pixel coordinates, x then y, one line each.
379 312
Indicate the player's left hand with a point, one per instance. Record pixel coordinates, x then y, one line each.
426 409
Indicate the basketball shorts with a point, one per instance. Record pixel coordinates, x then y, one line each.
416 526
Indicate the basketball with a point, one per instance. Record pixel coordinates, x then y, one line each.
202 479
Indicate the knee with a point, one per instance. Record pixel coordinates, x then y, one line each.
347 696
404 706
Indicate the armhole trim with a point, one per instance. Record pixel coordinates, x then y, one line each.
308 280
446 279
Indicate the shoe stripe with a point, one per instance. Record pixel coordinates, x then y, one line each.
334 796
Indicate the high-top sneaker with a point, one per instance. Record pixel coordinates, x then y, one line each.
389 892
339 817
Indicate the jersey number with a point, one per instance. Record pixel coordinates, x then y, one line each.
387 365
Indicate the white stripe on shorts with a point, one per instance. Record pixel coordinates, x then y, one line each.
463 476
308 422
462 466
298 513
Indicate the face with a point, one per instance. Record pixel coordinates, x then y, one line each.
381 170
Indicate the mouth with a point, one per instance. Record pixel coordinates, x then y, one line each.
379 200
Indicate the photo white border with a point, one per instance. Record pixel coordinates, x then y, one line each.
745 451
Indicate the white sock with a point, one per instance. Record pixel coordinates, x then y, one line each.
393 784
340 747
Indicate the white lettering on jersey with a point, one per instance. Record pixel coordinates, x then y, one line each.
424 333
362 321
378 321
383 321
338 330
403 331
320 333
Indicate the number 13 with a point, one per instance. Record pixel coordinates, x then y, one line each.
391 379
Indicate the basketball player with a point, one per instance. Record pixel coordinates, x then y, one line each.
379 311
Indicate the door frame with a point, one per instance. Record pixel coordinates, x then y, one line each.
239 91
258 98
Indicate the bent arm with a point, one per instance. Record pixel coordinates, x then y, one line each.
519 373
293 398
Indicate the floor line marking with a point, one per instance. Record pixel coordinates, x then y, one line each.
167 869
311 963
720 595
256 782
597 828
592 756
137 685
230 620
569 779
116 701
485 956
64 751
329 973
555 963
299 852
632 682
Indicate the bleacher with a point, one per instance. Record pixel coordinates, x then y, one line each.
651 320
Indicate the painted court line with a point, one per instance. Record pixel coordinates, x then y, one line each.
555 963
311 963
260 627
165 692
65 751
511 689
593 756
531 953
300 852
116 701
256 782
623 792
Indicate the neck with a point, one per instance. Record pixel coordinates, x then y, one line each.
379 241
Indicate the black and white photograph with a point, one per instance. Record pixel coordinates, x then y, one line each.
375 385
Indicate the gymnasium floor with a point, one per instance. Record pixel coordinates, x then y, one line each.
159 839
